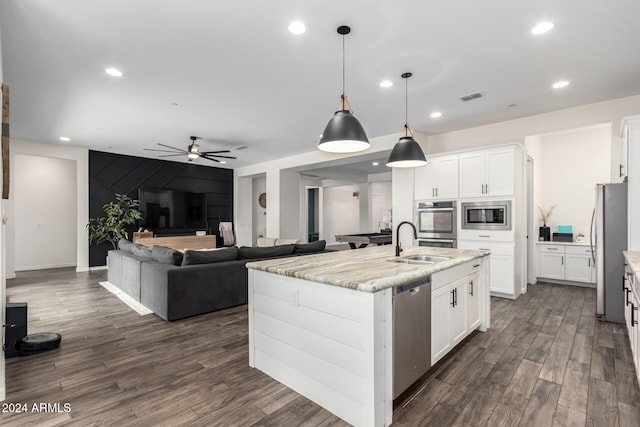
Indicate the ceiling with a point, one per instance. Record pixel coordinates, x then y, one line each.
232 73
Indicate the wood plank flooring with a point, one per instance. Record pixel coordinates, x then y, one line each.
546 361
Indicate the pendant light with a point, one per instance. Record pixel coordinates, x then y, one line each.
407 152
344 133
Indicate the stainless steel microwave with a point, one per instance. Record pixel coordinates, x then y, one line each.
494 215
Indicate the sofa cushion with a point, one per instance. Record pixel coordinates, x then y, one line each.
141 251
304 248
248 252
207 257
166 255
125 245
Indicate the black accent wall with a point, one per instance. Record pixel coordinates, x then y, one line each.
116 173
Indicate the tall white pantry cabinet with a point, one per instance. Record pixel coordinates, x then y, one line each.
492 173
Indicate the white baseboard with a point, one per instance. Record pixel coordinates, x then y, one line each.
98 268
45 267
132 303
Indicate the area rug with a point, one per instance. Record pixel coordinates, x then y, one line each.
132 303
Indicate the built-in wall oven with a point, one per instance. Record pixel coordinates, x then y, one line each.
436 223
494 215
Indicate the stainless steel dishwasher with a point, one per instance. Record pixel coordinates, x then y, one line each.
411 333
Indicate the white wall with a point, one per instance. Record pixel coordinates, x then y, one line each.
80 156
46 213
569 164
290 205
341 212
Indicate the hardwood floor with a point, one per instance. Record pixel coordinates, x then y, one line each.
545 361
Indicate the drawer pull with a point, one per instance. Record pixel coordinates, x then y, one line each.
476 265
483 235
552 249
634 315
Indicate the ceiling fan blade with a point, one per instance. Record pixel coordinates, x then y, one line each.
173 148
210 158
215 155
214 152
171 155
160 151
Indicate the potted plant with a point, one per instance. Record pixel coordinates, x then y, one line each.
119 214
545 232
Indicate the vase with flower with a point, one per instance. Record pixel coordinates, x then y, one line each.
545 232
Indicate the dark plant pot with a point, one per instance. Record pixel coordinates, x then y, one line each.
545 233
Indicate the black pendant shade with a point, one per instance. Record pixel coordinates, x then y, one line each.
407 152
343 133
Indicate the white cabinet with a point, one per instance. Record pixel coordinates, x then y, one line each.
566 262
487 173
438 179
631 136
502 279
456 309
631 312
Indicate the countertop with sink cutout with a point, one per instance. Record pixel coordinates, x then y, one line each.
369 269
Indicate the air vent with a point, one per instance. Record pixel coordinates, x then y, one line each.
470 97
240 147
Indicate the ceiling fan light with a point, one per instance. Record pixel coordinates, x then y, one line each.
406 154
343 134
193 155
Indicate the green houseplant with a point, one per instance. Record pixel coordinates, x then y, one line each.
119 214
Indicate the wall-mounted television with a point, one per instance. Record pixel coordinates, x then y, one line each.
172 211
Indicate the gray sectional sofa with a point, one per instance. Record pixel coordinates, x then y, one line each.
175 285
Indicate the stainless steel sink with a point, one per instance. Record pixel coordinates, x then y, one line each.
420 259
428 258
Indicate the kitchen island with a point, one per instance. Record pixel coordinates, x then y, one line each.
323 324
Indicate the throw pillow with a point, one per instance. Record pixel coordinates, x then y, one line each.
166 255
250 252
208 257
305 248
125 245
141 251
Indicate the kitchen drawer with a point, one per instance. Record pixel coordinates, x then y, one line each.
558 249
444 277
496 248
578 250
486 235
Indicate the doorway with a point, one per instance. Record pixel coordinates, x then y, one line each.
313 214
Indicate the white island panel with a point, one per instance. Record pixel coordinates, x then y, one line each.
330 344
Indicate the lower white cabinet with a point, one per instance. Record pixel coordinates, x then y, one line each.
631 312
455 313
566 262
502 264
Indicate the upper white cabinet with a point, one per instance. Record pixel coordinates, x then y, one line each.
438 179
487 173
631 141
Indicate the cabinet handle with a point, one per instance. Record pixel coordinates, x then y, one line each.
627 296
562 260
589 262
471 290
486 189
624 279
476 265
453 301
455 296
620 170
634 315
484 249
433 192
436 191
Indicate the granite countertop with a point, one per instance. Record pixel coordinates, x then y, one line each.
633 259
585 243
366 269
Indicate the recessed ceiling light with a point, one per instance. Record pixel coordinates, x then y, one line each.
114 72
560 84
542 28
65 138
297 27
436 114
375 164
386 83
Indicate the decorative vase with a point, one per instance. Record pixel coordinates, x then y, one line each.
545 233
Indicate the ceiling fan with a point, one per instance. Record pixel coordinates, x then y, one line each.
193 152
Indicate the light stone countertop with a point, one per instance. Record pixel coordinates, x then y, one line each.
366 269
633 259
585 243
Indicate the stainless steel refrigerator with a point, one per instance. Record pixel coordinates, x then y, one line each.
608 240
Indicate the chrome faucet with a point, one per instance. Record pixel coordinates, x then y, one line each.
415 235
